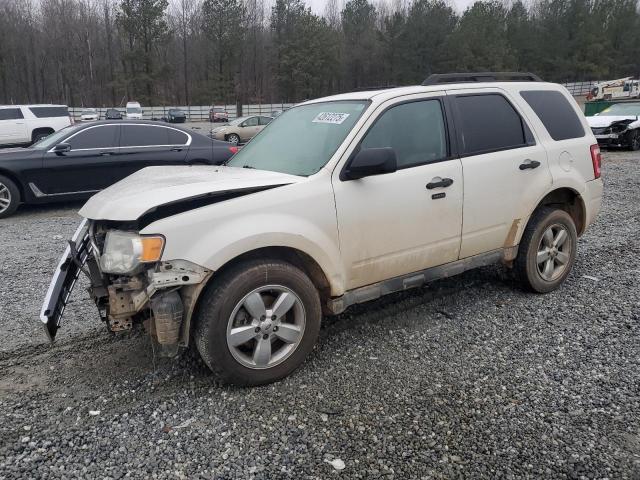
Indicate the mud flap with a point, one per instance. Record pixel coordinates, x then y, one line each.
64 279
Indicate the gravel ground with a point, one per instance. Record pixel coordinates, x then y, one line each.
469 377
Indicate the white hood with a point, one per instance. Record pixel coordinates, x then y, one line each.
153 186
600 121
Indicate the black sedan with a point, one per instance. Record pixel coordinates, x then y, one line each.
175 115
112 114
80 160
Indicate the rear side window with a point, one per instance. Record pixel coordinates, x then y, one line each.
489 123
96 137
265 120
48 112
10 114
415 130
143 136
176 137
251 122
555 112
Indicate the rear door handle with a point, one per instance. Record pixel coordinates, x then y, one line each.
105 154
176 149
529 164
439 183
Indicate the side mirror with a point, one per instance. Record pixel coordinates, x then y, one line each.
371 161
62 148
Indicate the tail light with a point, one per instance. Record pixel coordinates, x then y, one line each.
596 159
233 150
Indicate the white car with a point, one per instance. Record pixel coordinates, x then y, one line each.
618 125
133 110
342 200
89 115
25 124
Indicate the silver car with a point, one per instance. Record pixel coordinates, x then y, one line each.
241 130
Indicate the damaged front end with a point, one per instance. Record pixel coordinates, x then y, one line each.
128 283
617 134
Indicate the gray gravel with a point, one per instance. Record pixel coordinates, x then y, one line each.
469 377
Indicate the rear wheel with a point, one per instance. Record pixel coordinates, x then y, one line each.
9 197
547 250
258 322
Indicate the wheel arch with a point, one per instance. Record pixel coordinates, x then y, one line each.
15 179
569 200
36 131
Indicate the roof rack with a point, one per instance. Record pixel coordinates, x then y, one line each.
439 78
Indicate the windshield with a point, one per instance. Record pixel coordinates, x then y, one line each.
134 110
55 138
88 112
302 140
620 109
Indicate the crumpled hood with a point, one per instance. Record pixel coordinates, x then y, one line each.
150 187
601 121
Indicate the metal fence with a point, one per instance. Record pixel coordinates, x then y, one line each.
580 89
194 113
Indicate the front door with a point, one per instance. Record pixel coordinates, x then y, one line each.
409 220
85 169
13 128
250 128
505 169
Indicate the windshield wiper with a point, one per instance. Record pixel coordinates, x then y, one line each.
248 166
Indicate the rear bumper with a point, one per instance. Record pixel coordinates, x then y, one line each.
593 200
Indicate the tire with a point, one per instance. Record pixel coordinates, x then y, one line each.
9 197
634 140
556 253
233 138
264 357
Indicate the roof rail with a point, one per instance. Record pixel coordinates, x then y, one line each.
439 78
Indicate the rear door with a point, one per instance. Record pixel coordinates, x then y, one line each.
13 128
250 127
505 168
87 168
150 145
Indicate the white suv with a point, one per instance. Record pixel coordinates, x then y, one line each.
23 124
341 200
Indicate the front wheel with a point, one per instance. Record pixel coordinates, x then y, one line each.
233 138
258 322
547 250
9 197
634 140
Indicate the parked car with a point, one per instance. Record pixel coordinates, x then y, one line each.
113 114
218 115
134 111
89 115
175 115
276 113
76 162
24 124
340 201
241 129
618 125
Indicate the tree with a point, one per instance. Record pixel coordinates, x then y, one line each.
360 34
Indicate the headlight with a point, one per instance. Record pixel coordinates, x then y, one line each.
126 251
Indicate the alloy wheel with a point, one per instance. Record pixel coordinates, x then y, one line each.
5 197
554 252
266 327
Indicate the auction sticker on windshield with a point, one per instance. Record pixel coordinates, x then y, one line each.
328 117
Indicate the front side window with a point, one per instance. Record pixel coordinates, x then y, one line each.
10 114
97 137
416 131
303 139
489 123
143 136
251 122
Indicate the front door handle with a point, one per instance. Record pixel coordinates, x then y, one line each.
439 183
529 164
105 154
176 149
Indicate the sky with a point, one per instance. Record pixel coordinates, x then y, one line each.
318 5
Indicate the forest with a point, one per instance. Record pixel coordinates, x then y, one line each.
211 52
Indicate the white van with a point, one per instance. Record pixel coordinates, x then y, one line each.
134 110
